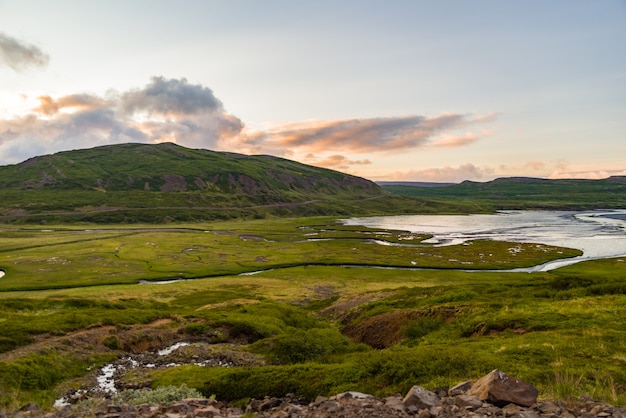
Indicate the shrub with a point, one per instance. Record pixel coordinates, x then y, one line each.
112 342
422 326
161 395
196 329
300 346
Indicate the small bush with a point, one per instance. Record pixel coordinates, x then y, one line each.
161 395
300 346
196 329
112 342
422 326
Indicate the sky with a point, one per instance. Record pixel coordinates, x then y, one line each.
394 90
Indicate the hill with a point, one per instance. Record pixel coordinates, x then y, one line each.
161 182
525 193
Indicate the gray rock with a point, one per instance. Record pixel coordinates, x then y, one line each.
500 389
421 398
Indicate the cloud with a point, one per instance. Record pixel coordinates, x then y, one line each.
454 141
360 135
164 110
336 162
171 97
586 174
444 174
20 55
74 102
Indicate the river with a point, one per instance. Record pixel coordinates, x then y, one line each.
599 234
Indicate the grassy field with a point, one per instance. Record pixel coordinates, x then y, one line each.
305 298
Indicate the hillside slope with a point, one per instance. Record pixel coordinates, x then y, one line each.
171 168
160 182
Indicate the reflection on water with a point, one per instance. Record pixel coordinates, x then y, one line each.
599 234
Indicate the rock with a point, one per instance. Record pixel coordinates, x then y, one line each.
421 398
357 395
468 402
460 389
526 414
500 389
30 407
395 402
207 411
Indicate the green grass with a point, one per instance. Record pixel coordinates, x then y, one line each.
316 313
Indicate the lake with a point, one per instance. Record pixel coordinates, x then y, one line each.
599 234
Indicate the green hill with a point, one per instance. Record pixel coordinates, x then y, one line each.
167 182
526 193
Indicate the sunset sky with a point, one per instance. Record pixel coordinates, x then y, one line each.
415 90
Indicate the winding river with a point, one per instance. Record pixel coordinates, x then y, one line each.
599 234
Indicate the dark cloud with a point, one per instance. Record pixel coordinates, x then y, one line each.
19 55
171 97
164 111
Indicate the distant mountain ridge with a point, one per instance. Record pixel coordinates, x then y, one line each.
526 193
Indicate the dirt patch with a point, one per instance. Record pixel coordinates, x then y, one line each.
135 338
344 308
387 329
380 331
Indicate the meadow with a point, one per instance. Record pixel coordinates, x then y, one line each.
321 307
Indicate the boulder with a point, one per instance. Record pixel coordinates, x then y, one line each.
421 398
500 389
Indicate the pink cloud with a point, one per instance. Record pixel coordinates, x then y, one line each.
391 134
338 162
454 141
444 174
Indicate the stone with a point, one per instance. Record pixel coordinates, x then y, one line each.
396 403
549 408
468 402
356 395
421 398
207 411
526 414
424 413
30 407
460 389
511 409
501 389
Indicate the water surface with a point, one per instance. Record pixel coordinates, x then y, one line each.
599 234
